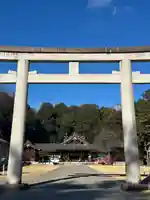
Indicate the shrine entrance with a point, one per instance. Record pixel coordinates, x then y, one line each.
25 55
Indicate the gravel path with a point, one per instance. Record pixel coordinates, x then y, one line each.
73 183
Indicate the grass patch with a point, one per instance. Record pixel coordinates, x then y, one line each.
120 170
33 170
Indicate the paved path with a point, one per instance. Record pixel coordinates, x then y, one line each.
74 183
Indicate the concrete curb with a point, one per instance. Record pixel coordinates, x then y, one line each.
19 187
135 187
42 182
8 187
129 186
22 186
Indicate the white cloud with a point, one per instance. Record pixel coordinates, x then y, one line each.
114 12
115 9
98 3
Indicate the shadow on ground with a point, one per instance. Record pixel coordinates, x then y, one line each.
73 188
75 176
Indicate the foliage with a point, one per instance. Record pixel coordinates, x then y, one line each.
51 123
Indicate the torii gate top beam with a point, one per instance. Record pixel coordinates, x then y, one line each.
140 49
75 54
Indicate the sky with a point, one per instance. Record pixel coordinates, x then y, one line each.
75 23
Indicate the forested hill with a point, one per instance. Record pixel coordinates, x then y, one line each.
50 123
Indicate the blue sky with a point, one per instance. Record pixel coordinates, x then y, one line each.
75 23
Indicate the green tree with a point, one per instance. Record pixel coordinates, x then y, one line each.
143 120
88 121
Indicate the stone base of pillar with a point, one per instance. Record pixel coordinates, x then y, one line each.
135 187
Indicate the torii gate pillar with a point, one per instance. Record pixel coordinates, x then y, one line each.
17 133
129 124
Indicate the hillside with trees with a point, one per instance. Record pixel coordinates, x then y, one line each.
51 123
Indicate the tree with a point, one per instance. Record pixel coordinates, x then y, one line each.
51 123
146 95
6 110
45 112
88 121
143 120
111 123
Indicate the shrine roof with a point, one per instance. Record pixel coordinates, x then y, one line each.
75 137
53 147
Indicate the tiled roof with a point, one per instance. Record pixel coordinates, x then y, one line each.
75 147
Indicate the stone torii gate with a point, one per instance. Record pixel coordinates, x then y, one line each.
24 55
